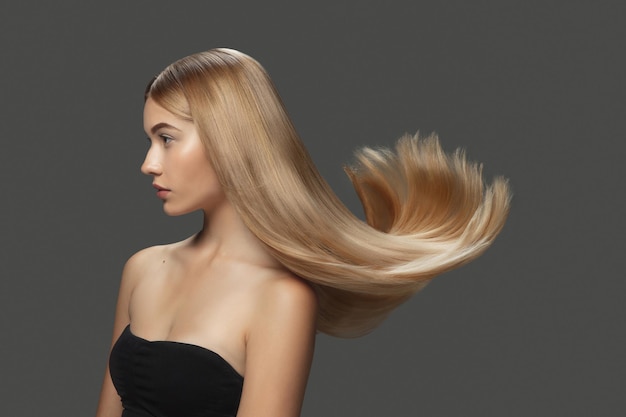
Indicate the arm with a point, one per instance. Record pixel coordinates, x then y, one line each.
279 351
110 404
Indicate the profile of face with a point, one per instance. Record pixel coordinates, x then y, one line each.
176 159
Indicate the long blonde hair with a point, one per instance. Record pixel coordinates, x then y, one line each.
427 212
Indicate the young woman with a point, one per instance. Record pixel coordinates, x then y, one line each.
224 322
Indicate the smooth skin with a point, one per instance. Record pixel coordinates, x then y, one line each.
219 289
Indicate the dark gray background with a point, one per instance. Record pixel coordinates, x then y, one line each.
534 90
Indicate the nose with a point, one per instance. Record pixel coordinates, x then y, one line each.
152 164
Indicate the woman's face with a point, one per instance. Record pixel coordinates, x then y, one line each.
182 174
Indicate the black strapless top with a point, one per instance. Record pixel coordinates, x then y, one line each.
172 379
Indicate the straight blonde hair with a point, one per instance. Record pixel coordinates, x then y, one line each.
426 212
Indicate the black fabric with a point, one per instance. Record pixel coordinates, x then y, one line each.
172 379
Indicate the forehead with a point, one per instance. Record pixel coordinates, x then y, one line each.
155 115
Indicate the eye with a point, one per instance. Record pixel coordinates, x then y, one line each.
166 139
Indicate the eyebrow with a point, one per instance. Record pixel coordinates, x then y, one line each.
158 126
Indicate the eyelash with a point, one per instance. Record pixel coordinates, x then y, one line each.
165 138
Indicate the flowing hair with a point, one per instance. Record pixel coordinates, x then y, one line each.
426 212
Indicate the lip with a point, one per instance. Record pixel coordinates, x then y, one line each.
159 188
162 192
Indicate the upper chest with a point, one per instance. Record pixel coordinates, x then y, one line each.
211 307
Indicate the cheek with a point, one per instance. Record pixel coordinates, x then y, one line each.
201 173
210 181
196 168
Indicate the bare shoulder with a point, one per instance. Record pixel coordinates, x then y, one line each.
142 259
286 308
279 348
145 263
284 293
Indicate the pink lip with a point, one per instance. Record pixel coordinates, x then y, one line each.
161 191
159 188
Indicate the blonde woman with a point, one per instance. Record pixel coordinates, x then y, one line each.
224 322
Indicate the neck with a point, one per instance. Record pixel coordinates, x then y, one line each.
225 235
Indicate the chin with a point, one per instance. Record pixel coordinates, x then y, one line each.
176 211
